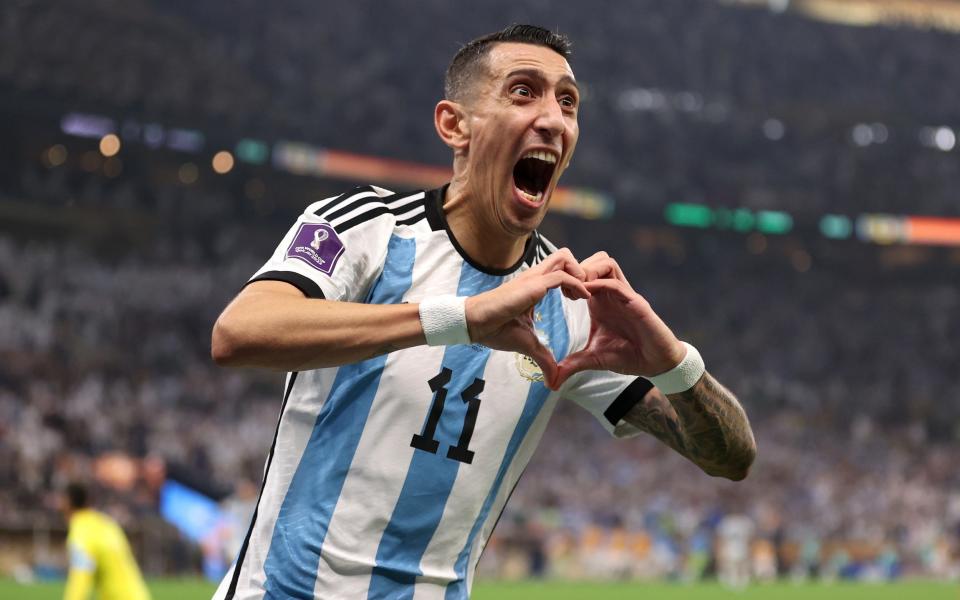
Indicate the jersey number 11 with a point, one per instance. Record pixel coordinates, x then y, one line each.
425 440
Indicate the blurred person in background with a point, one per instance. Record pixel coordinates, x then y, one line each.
733 554
372 291
100 557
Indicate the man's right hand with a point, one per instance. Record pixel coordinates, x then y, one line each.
502 319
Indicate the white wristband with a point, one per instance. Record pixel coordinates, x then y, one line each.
444 320
683 376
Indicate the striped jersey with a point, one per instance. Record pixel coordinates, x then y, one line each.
386 477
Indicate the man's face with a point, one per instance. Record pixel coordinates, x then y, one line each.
522 118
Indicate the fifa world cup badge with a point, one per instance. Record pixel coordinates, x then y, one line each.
526 366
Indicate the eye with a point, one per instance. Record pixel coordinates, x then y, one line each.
522 90
568 101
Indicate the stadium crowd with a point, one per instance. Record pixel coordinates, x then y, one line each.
690 99
105 357
846 365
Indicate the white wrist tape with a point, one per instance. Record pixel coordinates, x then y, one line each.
444 320
683 376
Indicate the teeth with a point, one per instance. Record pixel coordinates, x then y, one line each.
530 197
541 155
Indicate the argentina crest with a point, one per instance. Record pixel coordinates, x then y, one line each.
526 366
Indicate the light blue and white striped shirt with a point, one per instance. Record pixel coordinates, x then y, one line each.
386 477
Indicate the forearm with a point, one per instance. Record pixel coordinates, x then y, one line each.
291 333
706 424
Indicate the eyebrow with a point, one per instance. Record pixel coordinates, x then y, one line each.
538 74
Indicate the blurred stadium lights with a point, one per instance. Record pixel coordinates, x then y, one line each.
55 155
153 135
880 133
109 145
864 13
185 140
657 100
836 227
87 126
774 129
222 162
304 159
685 214
872 228
864 134
861 134
881 229
252 151
188 173
774 221
942 138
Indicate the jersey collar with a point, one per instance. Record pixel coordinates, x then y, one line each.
433 205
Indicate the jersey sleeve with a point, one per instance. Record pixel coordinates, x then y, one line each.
606 395
336 248
79 585
80 557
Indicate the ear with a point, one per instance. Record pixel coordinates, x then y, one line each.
452 126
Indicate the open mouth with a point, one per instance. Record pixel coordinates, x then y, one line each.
532 174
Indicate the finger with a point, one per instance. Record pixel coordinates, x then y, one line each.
563 260
613 287
544 359
602 266
572 287
573 364
590 265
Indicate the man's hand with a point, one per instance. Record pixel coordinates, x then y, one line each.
705 423
626 336
502 319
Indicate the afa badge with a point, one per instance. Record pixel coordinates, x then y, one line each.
526 366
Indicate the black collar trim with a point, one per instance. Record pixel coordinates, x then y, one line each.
433 203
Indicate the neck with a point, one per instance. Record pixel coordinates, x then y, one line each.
477 230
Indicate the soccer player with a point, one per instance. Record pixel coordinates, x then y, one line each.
428 336
100 557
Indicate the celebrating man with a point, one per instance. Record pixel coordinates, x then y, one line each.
428 337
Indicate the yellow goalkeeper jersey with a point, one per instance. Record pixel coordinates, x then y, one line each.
100 558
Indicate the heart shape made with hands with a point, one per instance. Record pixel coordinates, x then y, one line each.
626 335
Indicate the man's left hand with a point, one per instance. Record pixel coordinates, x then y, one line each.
626 336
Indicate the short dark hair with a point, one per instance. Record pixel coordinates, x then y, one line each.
77 495
470 58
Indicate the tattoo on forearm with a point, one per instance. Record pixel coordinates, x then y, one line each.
706 424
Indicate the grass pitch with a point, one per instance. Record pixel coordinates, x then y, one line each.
530 590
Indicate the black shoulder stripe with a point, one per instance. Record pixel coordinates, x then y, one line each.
419 216
232 589
543 247
414 210
344 208
374 203
401 205
365 191
541 250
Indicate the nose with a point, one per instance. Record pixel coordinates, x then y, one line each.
550 121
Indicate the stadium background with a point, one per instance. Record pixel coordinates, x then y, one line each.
778 178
